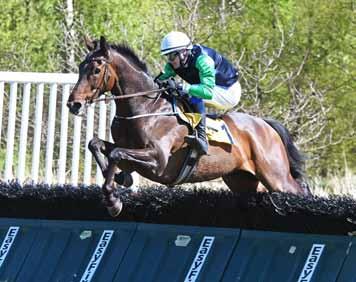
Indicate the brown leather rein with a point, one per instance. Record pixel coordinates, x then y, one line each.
104 83
137 94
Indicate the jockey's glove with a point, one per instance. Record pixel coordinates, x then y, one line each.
175 88
160 83
181 91
171 86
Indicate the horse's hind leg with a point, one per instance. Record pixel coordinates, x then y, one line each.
277 177
242 181
101 150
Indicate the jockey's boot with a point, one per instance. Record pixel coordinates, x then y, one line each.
201 136
198 140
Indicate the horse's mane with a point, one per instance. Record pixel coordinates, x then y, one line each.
128 53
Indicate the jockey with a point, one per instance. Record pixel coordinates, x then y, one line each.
209 79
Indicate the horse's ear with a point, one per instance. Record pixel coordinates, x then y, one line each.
89 43
104 46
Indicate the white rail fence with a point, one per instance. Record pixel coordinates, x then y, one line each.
40 142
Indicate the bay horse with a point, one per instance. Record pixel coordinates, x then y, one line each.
152 143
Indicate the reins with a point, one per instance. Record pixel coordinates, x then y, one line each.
137 94
104 83
171 113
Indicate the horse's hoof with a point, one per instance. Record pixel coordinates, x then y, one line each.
115 209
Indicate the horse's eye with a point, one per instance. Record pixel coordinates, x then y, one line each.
99 62
96 71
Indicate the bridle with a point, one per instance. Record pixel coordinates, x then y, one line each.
103 85
105 82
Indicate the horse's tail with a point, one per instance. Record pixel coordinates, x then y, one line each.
295 157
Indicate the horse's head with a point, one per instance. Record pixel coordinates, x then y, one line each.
96 76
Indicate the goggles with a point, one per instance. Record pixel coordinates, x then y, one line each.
171 56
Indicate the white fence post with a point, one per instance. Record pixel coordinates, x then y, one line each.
76 150
61 176
37 134
23 132
50 133
2 93
88 137
10 132
50 170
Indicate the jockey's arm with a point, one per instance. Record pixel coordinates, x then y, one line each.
206 68
167 72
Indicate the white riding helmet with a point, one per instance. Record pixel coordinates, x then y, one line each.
175 41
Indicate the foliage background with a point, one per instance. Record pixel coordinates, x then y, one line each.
297 58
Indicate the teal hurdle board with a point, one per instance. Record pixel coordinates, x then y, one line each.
73 251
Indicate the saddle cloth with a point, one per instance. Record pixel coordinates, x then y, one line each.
216 128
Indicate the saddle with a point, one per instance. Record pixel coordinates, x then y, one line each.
216 130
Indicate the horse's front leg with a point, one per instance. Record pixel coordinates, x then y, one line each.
153 159
101 150
150 159
112 202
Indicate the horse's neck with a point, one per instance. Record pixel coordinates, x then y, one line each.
136 132
132 80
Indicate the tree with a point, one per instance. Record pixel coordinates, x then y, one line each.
296 58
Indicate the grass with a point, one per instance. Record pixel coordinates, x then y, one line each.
336 184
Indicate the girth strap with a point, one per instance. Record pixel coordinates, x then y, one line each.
188 166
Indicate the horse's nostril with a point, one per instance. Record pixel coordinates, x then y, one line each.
77 105
74 107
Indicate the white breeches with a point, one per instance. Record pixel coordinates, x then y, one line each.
225 98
